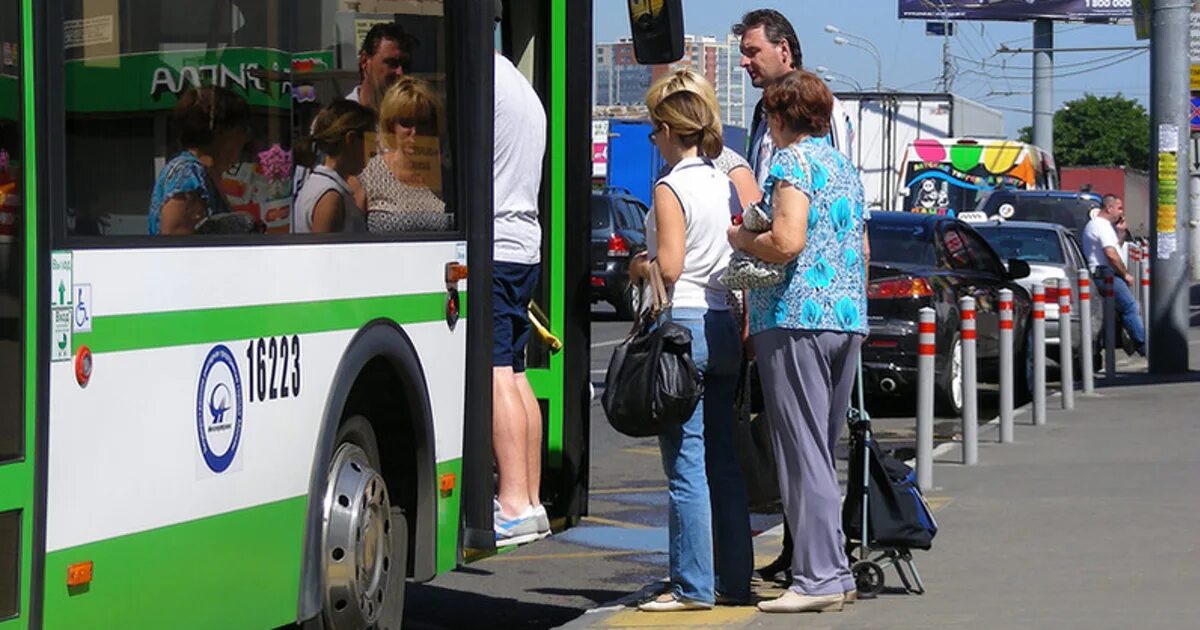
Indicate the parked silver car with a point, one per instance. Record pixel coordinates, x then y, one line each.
1052 252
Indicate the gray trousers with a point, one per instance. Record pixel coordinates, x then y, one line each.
807 379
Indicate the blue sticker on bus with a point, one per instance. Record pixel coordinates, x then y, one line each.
219 409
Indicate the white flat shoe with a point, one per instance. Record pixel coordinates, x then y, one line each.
793 602
669 602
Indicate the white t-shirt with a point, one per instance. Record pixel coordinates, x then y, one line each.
1098 234
709 201
353 95
520 145
322 180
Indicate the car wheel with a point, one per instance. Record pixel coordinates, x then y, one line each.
1023 370
950 385
629 302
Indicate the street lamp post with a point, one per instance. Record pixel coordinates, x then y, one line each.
830 77
862 43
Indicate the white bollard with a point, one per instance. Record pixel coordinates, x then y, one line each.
1006 366
1110 327
1135 270
1066 358
1039 354
1086 345
970 408
925 355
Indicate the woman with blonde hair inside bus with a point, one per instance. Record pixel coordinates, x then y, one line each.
729 162
685 235
326 203
402 183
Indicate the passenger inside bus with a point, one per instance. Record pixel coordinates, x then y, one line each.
403 182
384 57
212 123
326 203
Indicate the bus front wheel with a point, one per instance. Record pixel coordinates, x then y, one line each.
364 539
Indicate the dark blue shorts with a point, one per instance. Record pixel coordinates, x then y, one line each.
512 290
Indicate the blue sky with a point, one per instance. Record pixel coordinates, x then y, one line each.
912 61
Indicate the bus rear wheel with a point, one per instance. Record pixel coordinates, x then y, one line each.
364 539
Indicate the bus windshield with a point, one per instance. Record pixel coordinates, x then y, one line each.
947 176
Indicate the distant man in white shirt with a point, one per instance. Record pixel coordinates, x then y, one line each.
520 145
384 57
1102 249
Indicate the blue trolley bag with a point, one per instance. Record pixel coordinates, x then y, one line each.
899 516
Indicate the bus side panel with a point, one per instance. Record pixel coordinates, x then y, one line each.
182 468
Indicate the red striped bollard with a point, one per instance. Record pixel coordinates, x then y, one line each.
970 399
1066 360
1146 303
1087 344
1006 366
1039 354
925 355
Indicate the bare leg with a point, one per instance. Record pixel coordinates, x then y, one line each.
509 442
533 439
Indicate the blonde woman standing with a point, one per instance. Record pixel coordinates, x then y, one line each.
685 234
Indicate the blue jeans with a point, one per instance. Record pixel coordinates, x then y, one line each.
706 491
1127 310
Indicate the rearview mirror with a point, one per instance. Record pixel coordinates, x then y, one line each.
657 29
1018 268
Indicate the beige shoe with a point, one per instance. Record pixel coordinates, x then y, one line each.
851 595
793 602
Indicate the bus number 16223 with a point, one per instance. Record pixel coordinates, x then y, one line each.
274 367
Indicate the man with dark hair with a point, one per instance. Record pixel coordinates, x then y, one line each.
771 49
384 57
1102 249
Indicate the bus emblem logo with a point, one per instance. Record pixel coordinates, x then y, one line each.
219 409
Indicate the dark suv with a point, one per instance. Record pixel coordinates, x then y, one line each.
618 232
1071 210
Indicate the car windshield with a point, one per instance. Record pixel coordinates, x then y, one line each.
1071 213
600 212
1028 244
902 243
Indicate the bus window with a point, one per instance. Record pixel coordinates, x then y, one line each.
12 273
396 64
259 72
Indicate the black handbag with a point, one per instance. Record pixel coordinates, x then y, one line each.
754 446
652 382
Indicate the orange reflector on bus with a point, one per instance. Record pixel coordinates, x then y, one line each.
448 482
79 574
455 272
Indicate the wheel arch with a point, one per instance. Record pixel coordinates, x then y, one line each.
380 349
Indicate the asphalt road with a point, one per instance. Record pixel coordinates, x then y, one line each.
620 547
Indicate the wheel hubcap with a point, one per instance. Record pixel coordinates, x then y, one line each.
356 542
956 380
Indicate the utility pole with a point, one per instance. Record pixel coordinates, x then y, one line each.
1043 84
947 71
1169 109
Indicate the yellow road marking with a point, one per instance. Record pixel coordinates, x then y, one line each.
643 450
600 520
937 504
718 616
627 490
565 556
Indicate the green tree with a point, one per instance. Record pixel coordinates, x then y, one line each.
1100 131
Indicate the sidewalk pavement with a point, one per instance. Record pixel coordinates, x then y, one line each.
1090 521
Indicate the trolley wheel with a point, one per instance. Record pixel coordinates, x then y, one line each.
868 578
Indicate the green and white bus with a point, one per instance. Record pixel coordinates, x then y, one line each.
257 430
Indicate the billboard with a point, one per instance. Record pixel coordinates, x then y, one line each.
1016 10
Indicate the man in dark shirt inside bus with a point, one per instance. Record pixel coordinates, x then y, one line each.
384 57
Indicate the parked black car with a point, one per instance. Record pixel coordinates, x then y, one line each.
618 232
920 260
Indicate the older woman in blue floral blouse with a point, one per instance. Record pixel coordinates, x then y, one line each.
808 330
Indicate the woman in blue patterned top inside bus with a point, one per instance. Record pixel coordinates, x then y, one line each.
685 233
807 331
213 124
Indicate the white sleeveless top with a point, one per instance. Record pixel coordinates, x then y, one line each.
322 180
709 201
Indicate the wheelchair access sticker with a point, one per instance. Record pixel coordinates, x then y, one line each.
82 311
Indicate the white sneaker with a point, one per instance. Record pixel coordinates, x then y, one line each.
515 531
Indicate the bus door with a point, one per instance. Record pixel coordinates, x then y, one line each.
16 434
549 42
